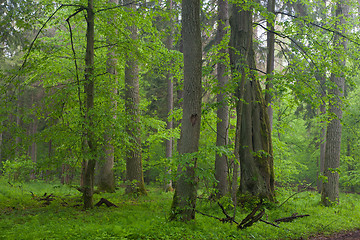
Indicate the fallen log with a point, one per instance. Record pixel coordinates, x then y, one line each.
291 218
106 202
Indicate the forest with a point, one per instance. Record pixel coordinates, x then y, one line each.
169 119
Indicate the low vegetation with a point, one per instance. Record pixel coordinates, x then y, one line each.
25 213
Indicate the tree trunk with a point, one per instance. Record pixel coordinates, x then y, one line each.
170 104
90 149
221 161
134 169
270 60
255 147
184 201
322 134
330 191
106 177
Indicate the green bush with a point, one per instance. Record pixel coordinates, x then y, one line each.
19 169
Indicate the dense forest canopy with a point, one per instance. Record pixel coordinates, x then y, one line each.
233 98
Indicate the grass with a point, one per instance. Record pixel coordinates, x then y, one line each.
22 217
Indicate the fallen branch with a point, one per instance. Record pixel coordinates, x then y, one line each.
290 219
106 202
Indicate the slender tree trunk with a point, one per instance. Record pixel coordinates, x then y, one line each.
330 191
322 134
88 188
184 201
33 146
134 169
270 61
170 103
106 176
255 147
221 161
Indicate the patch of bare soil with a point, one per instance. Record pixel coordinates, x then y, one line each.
351 235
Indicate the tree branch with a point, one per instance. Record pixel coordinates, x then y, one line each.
319 26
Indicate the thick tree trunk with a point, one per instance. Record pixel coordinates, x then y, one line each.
184 201
89 170
106 177
330 191
255 147
221 161
170 104
134 169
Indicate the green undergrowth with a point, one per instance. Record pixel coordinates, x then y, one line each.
24 216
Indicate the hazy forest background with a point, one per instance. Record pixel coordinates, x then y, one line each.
238 102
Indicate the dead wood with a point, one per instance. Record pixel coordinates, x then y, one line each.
291 218
106 202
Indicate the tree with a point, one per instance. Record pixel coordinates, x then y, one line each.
270 41
221 163
184 201
254 138
89 84
107 178
330 190
134 170
170 100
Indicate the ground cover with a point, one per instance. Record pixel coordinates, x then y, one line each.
24 216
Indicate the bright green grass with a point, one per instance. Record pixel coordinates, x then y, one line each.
22 217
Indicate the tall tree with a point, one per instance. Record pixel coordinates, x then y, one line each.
270 58
170 99
134 169
184 201
89 170
107 178
330 190
221 162
254 146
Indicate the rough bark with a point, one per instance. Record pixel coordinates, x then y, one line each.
106 178
170 103
221 161
134 169
330 190
89 170
255 148
184 201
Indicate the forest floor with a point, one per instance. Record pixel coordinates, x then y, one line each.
39 210
347 235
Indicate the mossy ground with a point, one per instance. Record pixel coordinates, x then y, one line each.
23 217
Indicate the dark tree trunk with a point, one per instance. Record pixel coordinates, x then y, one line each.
221 161
330 191
270 61
89 170
254 146
184 201
134 169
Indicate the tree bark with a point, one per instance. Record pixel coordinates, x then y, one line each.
270 60
330 191
221 161
89 170
254 146
184 201
170 104
134 169
107 179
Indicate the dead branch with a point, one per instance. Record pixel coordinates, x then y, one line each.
106 202
290 219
